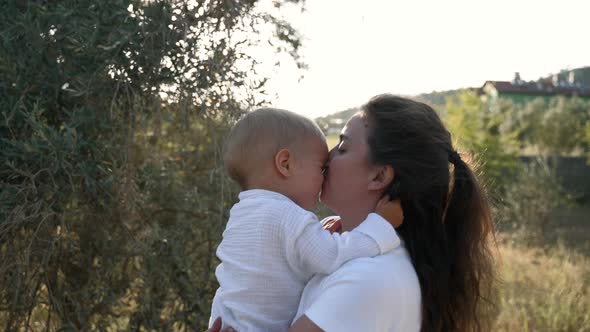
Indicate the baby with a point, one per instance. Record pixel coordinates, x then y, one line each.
272 245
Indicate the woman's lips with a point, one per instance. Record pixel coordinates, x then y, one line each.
325 171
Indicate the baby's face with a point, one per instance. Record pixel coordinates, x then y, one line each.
308 176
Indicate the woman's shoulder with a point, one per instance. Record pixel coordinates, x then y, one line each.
390 274
386 287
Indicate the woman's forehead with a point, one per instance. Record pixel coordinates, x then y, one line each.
356 125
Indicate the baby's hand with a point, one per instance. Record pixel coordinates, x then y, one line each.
216 327
390 211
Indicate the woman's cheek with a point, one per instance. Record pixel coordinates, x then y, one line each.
339 166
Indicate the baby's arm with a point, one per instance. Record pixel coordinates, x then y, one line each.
315 250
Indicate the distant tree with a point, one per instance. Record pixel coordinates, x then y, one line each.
476 127
336 120
550 128
525 122
563 125
438 99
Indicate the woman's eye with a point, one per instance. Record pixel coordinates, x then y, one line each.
339 148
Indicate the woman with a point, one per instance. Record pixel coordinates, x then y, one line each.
438 279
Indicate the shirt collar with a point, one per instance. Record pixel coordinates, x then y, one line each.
262 193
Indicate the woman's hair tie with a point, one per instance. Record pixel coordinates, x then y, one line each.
454 157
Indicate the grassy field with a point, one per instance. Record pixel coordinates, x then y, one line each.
543 289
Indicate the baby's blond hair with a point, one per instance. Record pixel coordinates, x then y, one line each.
259 135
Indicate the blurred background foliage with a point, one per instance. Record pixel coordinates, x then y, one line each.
112 195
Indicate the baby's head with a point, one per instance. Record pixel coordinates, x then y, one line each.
277 150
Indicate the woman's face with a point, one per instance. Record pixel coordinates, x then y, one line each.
347 173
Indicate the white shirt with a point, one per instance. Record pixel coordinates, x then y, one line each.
366 294
271 247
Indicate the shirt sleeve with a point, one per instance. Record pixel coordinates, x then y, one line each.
315 250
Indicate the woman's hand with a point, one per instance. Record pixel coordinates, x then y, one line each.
390 211
216 327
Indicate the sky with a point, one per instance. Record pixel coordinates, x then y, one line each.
357 49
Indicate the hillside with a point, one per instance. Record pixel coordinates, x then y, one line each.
437 99
332 123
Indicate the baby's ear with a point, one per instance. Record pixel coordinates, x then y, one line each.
283 162
380 177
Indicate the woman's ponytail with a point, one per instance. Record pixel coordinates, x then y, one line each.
468 227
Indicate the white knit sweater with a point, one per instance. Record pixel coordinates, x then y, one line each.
271 247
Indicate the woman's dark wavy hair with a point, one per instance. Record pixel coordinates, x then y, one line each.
448 229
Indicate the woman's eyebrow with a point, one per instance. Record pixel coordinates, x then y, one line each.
344 137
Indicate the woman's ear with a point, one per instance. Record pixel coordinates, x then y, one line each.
283 162
381 177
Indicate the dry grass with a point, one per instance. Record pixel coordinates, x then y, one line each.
543 290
